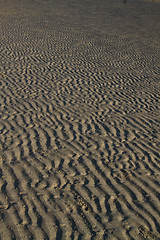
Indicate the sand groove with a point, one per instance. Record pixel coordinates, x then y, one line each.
79 120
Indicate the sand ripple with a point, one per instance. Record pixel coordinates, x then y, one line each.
79 120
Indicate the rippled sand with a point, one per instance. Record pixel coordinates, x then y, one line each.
79 120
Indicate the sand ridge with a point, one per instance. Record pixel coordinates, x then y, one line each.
79 120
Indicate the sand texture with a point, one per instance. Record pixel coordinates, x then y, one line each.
79 120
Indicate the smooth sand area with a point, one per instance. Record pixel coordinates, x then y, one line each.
79 120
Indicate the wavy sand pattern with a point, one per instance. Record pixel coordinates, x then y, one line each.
79 120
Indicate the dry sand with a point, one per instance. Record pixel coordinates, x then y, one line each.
79 120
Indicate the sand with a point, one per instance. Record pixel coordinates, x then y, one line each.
79 120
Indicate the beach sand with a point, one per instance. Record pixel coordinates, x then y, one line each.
79 120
